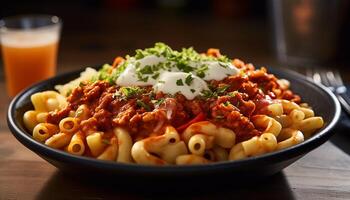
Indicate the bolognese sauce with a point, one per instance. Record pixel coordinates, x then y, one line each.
230 103
163 106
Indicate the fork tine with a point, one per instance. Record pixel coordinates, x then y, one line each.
317 77
324 78
331 79
338 78
309 74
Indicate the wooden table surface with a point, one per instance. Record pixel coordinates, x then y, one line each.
322 174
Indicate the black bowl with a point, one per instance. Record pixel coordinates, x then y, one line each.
320 98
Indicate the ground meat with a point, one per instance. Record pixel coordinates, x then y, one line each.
56 116
245 95
104 119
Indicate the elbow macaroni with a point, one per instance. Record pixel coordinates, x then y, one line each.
77 144
95 143
286 124
265 143
159 150
124 145
269 124
48 101
111 151
43 131
289 137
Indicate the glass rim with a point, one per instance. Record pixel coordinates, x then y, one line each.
52 19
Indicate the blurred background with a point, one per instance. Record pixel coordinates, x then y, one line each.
295 34
290 33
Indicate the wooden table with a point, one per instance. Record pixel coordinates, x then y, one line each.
322 174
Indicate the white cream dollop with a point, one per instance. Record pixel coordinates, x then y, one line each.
169 83
166 80
129 76
218 70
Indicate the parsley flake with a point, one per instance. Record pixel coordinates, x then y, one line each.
82 84
142 78
158 102
105 141
129 92
189 79
232 94
137 65
179 82
146 70
222 89
224 65
227 103
156 75
200 72
208 94
142 104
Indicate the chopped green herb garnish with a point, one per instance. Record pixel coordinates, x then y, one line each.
159 49
238 103
186 60
179 82
78 113
181 59
227 103
105 141
129 92
146 70
69 92
158 102
262 88
109 74
201 74
224 65
161 81
143 78
184 66
201 71
208 94
137 65
82 84
193 90
142 104
156 75
222 89
168 64
232 94
189 79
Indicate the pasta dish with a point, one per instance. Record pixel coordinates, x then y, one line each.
163 107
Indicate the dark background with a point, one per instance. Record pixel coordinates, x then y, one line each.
96 31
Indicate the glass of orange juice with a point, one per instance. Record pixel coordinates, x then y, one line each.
29 49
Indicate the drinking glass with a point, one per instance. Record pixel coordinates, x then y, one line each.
29 49
306 30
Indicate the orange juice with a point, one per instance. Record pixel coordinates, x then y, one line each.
28 57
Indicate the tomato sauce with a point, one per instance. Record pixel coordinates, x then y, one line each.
245 96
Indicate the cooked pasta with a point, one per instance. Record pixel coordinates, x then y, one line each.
69 125
96 143
167 107
43 131
77 144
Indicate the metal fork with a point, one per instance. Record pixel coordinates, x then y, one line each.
334 82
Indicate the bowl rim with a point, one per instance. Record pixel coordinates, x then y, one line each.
59 155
